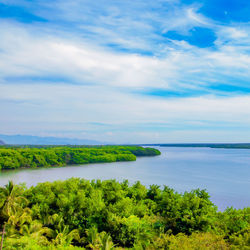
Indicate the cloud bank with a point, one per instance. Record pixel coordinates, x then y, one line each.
125 72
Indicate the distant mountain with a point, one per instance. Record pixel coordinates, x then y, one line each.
1 142
37 140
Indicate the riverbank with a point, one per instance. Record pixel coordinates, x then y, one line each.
224 173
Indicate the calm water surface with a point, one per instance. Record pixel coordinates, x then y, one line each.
224 173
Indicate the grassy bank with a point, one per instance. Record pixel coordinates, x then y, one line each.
31 157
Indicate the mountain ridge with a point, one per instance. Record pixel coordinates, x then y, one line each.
46 140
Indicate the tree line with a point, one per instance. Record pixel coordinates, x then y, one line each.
77 214
31 157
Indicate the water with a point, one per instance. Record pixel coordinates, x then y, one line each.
224 173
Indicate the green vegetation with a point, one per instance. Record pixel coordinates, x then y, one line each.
20 157
77 213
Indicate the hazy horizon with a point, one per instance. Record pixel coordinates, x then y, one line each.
45 140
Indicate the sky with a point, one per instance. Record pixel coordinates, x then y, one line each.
162 71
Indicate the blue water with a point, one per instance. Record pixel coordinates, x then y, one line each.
224 173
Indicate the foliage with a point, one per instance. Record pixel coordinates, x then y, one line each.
78 213
20 157
197 241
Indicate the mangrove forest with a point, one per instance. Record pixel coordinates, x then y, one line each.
32 157
82 214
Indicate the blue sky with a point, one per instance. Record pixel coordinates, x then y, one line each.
126 71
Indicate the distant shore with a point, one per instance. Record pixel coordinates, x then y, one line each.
204 145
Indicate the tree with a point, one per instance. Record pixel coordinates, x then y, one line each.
11 200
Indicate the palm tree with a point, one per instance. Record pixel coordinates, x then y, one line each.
16 221
11 200
93 238
62 235
106 241
97 240
65 237
36 231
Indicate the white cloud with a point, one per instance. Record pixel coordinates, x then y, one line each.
97 83
234 33
39 56
51 109
23 54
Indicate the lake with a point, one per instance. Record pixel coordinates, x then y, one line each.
224 173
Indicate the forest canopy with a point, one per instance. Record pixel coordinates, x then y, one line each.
78 213
31 157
